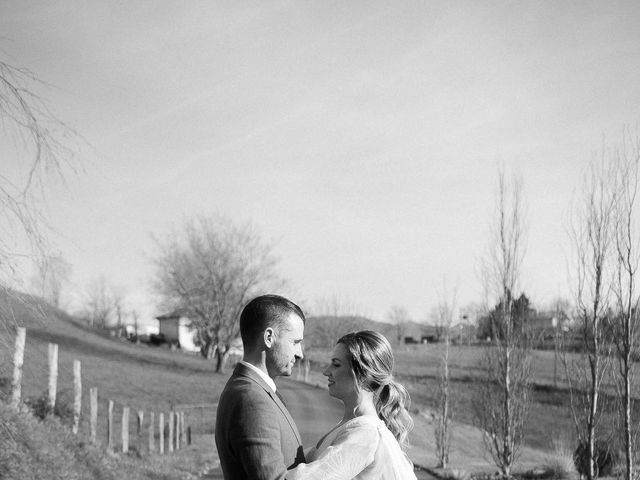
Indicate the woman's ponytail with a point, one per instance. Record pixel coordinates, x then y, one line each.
392 404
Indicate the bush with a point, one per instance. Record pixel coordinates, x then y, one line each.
559 464
30 448
41 409
455 474
605 458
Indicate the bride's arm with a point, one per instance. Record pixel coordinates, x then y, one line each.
350 453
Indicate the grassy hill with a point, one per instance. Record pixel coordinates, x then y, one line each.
138 376
323 331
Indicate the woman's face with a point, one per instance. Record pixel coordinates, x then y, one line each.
341 380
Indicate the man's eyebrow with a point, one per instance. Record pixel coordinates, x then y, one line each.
336 360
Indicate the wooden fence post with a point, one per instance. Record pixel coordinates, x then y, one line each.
93 395
125 429
161 431
307 369
77 397
110 427
152 440
53 375
139 432
171 430
176 417
18 362
182 432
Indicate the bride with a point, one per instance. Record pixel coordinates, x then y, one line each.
370 440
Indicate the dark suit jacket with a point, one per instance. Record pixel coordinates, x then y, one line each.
255 435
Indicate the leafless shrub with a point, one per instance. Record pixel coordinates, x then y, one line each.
442 432
592 236
503 396
626 323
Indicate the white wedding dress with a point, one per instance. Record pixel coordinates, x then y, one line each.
362 448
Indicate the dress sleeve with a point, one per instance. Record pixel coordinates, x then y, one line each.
348 455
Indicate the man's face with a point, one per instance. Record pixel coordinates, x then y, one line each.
286 347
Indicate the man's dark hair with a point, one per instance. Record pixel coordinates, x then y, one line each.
263 312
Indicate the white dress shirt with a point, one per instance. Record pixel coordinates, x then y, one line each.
263 375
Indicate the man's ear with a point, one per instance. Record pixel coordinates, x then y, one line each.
269 337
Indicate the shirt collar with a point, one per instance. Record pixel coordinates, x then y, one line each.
269 381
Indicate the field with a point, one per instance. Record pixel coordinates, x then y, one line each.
417 367
139 376
157 379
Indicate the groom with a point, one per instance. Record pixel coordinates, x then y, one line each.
255 434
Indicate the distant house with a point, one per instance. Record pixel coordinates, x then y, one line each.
420 333
177 329
549 323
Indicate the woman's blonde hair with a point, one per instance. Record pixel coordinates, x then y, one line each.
372 363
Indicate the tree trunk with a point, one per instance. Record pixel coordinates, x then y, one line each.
222 354
507 448
591 423
208 350
628 440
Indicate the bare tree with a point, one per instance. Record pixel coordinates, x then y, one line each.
135 316
52 274
104 302
626 160
502 400
561 309
469 316
592 236
399 317
39 156
209 270
446 308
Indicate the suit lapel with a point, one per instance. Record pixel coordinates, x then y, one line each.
247 372
276 398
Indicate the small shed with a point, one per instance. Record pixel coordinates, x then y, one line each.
177 330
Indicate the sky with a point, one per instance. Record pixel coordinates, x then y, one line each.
362 138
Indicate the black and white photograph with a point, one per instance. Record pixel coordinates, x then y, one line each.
319 240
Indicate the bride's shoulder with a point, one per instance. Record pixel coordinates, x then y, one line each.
365 429
364 422
368 420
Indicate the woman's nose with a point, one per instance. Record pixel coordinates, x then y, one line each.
325 372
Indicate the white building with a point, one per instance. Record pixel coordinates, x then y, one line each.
177 330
